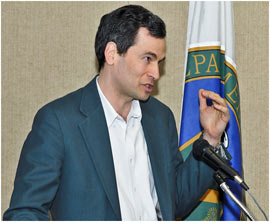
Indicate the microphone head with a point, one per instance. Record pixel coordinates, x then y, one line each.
198 148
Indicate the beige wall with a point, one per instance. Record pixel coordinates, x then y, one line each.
47 51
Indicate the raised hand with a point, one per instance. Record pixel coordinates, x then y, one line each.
213 118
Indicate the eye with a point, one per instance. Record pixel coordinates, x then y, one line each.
148 58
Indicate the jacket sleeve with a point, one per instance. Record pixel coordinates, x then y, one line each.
39 170
193 177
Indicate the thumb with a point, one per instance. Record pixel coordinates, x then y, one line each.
202 99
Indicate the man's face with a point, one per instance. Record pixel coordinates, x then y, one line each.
138 68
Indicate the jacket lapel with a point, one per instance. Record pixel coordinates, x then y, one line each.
158 162
95 133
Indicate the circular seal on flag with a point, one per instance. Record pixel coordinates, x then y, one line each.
212 214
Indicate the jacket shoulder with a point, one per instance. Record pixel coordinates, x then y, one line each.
65 102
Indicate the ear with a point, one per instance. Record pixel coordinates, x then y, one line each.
110 53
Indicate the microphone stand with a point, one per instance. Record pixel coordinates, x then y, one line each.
220 179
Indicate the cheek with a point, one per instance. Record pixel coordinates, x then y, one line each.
134 70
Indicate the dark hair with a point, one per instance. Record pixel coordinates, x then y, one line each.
121 26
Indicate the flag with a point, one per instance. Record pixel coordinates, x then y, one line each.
210 65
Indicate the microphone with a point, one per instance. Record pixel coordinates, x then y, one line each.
202 150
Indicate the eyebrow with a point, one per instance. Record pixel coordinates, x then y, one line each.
155 56
162 60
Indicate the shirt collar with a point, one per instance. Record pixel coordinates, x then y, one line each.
111 114
135 110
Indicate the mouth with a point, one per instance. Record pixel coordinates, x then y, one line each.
148 87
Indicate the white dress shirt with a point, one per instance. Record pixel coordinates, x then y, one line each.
134 177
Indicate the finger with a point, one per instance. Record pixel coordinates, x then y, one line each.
221 103
224 110
216 98
202 99
221 108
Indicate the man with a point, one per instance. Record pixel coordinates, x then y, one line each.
109 151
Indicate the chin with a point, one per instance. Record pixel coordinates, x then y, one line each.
142 95
144 98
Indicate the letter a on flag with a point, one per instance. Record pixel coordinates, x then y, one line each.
210 65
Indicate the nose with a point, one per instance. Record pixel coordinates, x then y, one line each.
154 72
